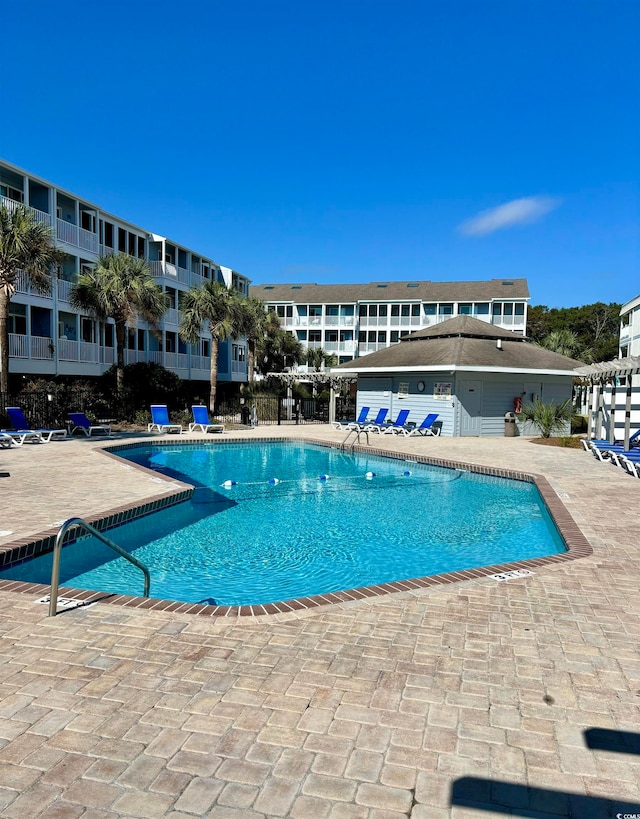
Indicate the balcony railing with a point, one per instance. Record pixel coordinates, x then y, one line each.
23 286
64 289
87 240
82 351
39 215
239 367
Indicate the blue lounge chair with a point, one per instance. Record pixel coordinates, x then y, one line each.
360 420
377 422
20 425
396 427
80 423
426 427
201 419
160 420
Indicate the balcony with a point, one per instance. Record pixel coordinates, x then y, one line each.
39 215
71 234
38 347
81 351
371 347
64 289
23 286
338 321
347 347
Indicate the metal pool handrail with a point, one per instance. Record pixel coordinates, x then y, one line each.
55 569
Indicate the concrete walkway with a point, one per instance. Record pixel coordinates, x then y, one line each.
477 699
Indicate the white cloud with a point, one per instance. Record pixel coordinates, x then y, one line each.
517 212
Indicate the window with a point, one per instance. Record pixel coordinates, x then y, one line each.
363 311
122 240
18 319
315 336
302 335
141 340
88 221
395 336
404 333
332 310
315 310
331 335
508 309
382 336
280 310
404 310
362 337
132 244
108 234
429 309
373 310
519 309
382 310
140 247
87 327
395 309
415 309
302 311
465 309
445 310
109 335
497 309
482 309
371 337
289 311
205 347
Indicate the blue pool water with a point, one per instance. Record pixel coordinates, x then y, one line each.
372 520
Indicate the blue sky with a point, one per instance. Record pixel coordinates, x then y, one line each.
351 141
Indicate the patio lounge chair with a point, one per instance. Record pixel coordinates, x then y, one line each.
426 427
80 423
160 420
396 427
377 422
20 424
5 440
201 419
360 420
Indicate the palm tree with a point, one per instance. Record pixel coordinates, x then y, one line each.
277 349
214 304
316 357
251 324
548 418
562 341
26 246
120 287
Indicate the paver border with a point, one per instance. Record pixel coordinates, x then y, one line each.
577 546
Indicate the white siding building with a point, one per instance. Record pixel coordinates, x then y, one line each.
48 337
352 321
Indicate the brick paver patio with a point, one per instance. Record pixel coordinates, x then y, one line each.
417 704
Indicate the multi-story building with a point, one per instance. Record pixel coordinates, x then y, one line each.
630 328
48 337
353 320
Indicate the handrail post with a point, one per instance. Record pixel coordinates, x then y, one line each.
55 567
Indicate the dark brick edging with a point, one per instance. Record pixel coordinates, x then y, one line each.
576 543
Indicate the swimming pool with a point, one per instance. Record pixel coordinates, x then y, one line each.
274 521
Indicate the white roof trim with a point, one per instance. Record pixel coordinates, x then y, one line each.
440 368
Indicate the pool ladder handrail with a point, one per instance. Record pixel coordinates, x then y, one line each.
57 548
358 431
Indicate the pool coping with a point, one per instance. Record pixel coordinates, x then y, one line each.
577 546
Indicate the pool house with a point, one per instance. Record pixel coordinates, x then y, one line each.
469 372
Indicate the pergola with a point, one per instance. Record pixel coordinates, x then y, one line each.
607 373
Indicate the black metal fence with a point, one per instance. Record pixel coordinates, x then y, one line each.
43 409
271 409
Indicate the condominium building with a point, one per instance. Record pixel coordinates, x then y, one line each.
630 328
48 337
354 320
